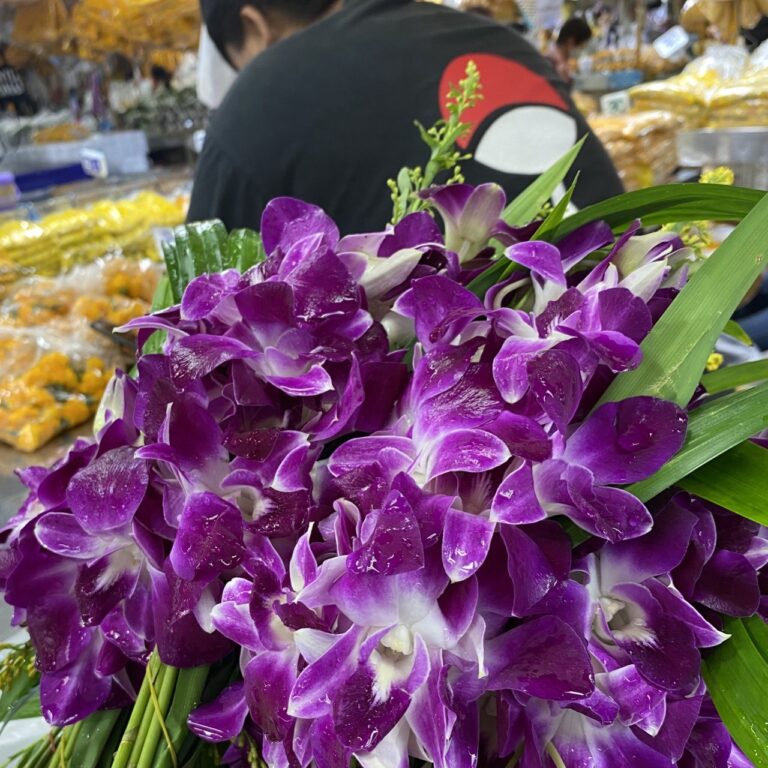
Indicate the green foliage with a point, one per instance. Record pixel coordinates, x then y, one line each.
736 480
713 429
204 248
732 328
441 140
734 376
527 205
736 674
19 680
667 205
676 351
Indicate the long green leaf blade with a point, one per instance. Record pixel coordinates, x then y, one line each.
734 376
523 209
173 269
676 351
737 480
93 737
712 430
555 218
732 328
668 205
736 674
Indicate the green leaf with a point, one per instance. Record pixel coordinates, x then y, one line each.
712 429
198 249
736 674
676 351
737 480
173 269
205 243
244 249
733 376
29 706
16 697
163 297
523 209
732 328
556 216
669 204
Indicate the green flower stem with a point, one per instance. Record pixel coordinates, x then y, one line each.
146 721
25 756
189 691
39 754
125 749
95 741
69 740
159 706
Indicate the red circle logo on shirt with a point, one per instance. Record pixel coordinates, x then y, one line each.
532 127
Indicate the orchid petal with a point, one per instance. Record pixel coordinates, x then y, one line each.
106 494
223 719
209 540
627 442
543 658
466 540
541 258
466 450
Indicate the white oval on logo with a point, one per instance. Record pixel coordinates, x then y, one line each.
527 140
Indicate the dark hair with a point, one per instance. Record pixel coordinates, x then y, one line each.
222 17
575 29
161 74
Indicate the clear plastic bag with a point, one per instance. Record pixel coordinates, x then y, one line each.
54 365
53 378
641 145
111 290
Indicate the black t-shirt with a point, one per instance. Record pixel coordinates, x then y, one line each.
328 115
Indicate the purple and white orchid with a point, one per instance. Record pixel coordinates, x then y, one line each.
383 535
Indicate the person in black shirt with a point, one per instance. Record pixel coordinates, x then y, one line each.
325 104
12 90
573 36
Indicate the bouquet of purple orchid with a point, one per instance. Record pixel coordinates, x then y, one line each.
450 496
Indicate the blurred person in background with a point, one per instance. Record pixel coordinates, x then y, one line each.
13 92
506 12
573 36
161 78
325 103
481 10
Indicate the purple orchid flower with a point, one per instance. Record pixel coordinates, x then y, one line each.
472 216
403 621
79 575
604 328
726 554
641 615
620 443
218 502
263 617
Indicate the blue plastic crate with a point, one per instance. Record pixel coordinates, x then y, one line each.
35 181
